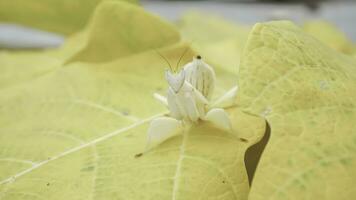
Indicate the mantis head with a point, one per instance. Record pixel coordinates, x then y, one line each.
175 80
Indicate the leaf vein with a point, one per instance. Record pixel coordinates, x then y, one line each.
77 148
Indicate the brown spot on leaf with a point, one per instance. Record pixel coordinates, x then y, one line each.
243 140
138 155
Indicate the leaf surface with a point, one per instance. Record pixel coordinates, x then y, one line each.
77 130
219 41
307 93
98 43
64 16
128 34
330 35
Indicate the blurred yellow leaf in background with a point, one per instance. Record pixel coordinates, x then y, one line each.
60 16
219 41
330 35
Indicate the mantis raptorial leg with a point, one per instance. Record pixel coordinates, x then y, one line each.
188 100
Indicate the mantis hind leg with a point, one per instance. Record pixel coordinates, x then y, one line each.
219 118
161 129
227 100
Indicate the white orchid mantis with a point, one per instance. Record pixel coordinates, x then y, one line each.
189 101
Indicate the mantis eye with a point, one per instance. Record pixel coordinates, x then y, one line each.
175 81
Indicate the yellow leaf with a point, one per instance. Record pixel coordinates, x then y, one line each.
77 131
98 42
330 35
17 67
220 42
128 34
307 93
63 16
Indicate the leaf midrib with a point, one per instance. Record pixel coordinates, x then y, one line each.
77 148
179 166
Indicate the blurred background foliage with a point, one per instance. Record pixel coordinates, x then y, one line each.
64 16
210 26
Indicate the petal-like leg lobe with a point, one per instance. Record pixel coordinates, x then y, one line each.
161 129
219 118
227 100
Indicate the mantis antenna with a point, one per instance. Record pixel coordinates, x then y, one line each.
165 59
185 51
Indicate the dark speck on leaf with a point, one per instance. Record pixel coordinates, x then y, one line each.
223 181
48 184
89 168
324 163
345 161
125 112
198 57
138 155
243 140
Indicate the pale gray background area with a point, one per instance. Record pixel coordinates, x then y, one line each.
341 13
